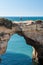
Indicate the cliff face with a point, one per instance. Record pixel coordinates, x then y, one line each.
5 33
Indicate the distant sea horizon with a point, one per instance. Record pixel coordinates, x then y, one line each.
23 18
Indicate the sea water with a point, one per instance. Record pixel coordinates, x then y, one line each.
18 52
24 18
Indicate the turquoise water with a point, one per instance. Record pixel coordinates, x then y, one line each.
18 52
24 18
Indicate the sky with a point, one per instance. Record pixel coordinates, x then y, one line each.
21 7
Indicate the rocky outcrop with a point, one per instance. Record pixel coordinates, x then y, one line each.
5 22
32 33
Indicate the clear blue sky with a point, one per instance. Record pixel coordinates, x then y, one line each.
21 7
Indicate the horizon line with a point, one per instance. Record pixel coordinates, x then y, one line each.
19 16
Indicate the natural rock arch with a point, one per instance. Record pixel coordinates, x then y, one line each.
9 28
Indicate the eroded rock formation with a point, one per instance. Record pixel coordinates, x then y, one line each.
32 33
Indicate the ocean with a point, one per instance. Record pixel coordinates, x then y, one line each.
24 18
18 52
